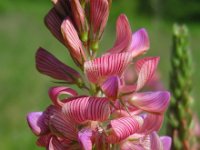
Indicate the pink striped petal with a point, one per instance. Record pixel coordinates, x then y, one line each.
78 15
166 142
156 144
43 140
139 43
36 121
84 137
55 144
155 102
87 108
123 35
111 87
73 42
61 125
53 22
99 11
99 69
123 127
62 7
146 68
47 64
57 91
152 122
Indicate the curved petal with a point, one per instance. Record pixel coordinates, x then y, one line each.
146 68
156 144
155 102
61 125
87 108
123 127
53 22
123 35
54 144
43 140
72 41
84 137
99 11
166 141
152 122
55 92
139 43
36 121
111 87
49 65
99 69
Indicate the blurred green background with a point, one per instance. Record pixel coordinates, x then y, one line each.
22 31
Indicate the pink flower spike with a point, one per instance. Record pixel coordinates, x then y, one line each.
166 141
99 69
123 127
99 11
139 43
146 68
73 42
84 137
55 92
49 65
36 121
123 35
83 109
111 87
155 102
53 22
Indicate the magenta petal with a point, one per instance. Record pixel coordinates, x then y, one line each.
99 11
155 102
55 92
87 108
166 141
111 87
49 65
36 121
146 68
99 69
53 22
55 144
124 127
139 43
72 41
43 140
156 144
152 122
84 137
123 36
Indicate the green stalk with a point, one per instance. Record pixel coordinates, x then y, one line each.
180 110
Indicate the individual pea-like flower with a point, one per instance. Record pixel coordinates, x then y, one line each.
113 113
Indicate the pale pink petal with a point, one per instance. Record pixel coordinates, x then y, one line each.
146 68
130 146
152 122
139 43
99 69
84 137
156 144
87 108
155 102
72 41
166 142
49 65
53 22
99 11
123 35
36 121
61 125
78 15
57 91
123 127
111 87
54 144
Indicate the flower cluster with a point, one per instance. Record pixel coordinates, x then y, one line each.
113 113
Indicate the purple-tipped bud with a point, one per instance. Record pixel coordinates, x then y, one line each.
99 12
73 42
